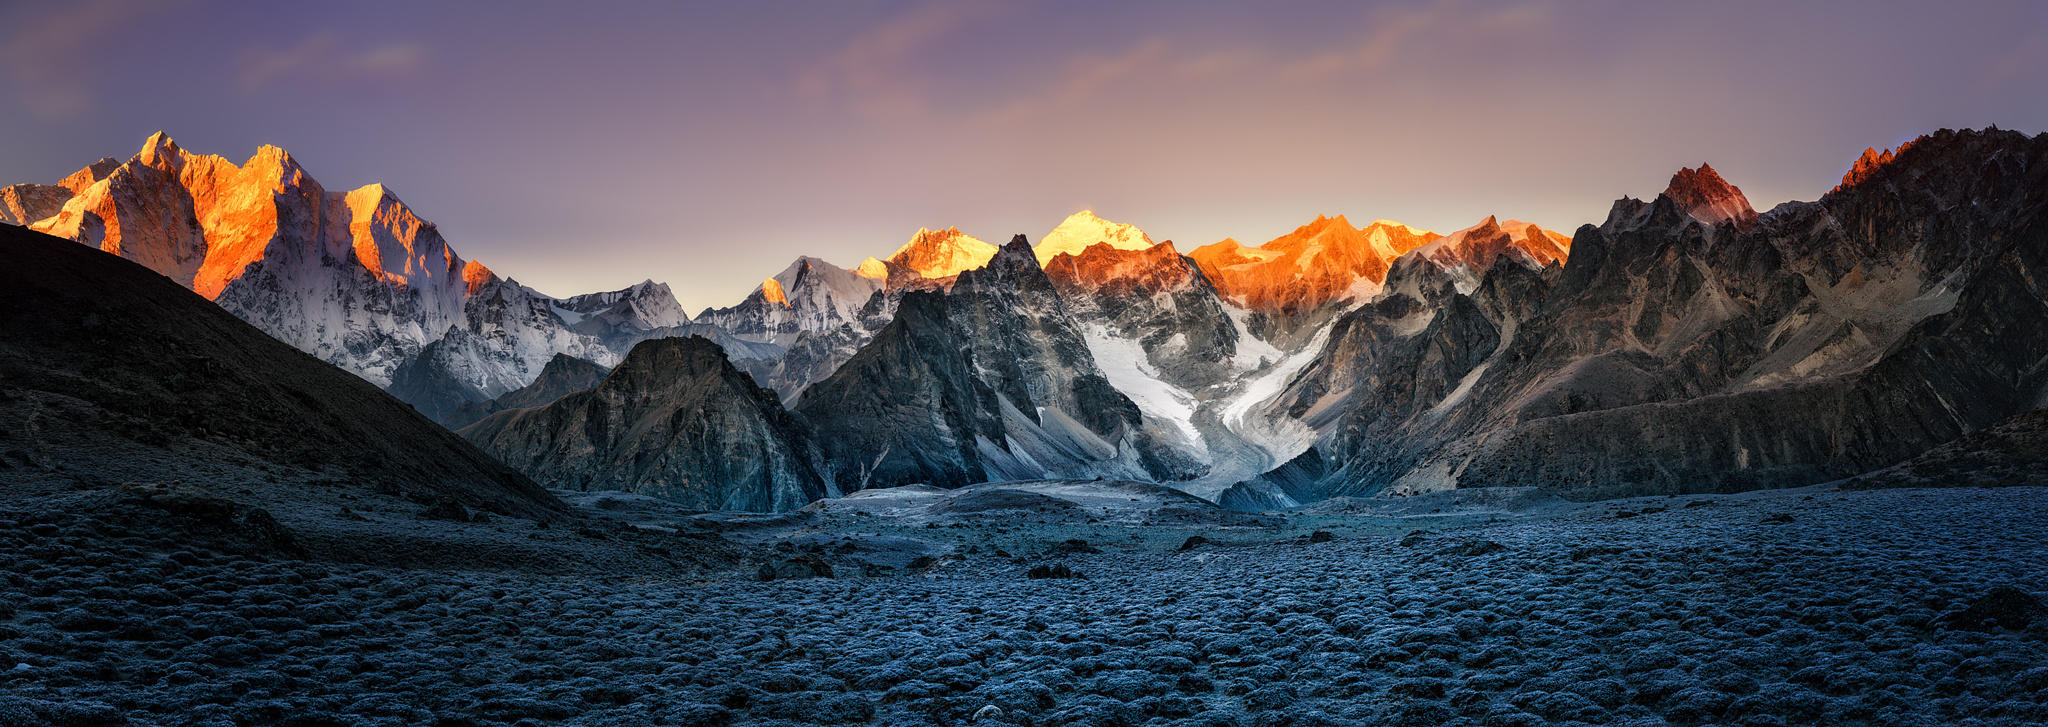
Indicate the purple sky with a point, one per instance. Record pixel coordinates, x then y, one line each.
578 148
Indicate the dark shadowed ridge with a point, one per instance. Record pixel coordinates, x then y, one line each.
564 375
110 369
675 420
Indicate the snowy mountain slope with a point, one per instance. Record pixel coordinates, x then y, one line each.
622 318
936 254
1083 230
809 295
992 380
356 278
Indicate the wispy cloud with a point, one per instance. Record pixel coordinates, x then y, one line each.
1397 30
322 56
42 52
872 72
888 73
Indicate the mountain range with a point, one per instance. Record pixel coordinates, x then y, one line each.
1685 344
355 278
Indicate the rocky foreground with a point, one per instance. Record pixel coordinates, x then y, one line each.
1896 607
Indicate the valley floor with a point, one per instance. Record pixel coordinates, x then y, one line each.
1802 607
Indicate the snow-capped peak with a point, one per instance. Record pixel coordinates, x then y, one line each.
644 305
937 254
1478 246
1403 227
354 278
1083 230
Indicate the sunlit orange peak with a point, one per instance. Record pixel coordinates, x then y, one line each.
1324 260
1083 230
872 269
940 253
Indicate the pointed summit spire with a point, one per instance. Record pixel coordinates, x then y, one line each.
1705 196
1868 164
160 151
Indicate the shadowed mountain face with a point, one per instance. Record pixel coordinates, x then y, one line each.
564 375
111 371
992 381
2013 452
1689 347
674 420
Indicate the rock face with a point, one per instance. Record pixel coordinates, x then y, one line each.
810 357
1687 348
472 364
990 381
2013 452
22 204
674 420
1473 250
357 278
564 375
1703 195
1155 298
107 368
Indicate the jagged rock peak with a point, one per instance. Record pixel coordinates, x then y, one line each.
1706 197
1014 251
1477 247
160 150
1159 266
1866 166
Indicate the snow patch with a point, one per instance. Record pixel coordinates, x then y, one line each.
1252 351
1281 438
1123 361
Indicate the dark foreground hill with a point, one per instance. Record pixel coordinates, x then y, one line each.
110 372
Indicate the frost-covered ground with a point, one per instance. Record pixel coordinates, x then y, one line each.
1810 607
